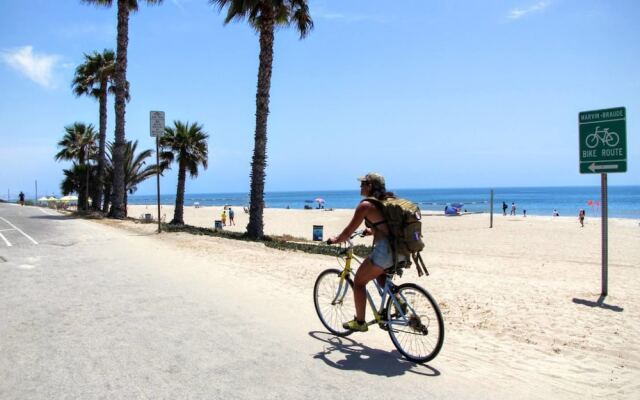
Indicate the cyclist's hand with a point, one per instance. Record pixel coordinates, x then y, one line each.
332 240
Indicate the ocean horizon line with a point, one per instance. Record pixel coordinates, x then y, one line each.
623 200
395 189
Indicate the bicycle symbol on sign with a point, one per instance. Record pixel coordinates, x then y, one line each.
610 139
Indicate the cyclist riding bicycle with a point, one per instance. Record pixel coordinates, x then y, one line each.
381 258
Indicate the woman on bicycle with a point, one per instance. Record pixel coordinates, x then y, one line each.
373 267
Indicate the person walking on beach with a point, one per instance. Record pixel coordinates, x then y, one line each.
581 215
232 214
373 267
513 209
223 217
21 197
504 208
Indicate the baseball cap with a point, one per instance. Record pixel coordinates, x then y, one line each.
373 177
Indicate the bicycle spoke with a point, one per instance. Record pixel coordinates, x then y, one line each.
419 334
333 299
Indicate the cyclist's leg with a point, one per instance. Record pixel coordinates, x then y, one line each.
366 272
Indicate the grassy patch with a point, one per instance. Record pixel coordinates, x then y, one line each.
285 242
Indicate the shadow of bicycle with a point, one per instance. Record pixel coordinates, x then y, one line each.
359 357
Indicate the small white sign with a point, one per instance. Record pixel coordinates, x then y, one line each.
157 123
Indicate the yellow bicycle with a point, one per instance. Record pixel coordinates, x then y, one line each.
407 311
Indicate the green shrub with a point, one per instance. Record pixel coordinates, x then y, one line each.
276 242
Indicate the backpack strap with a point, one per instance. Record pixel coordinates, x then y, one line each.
420 266
380 208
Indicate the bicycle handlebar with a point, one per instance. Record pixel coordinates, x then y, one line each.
360 233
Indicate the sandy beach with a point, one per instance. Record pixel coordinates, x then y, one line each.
520 297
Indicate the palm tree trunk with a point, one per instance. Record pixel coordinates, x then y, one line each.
178 212
126 201
102 140
107 196
82 198
117 200
255 228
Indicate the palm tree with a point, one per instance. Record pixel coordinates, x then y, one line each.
76 177
78 143
125 7
264 16
187 143
93 78
135 170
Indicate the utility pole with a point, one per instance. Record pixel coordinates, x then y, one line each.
35 201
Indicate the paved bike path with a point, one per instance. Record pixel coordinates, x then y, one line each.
105 313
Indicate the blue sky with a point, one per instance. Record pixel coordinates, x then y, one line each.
433 94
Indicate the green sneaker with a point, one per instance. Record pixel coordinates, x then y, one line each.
356 326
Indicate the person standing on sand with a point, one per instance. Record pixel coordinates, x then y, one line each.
223 217
504 208
581 215
513 209
373 267
232 214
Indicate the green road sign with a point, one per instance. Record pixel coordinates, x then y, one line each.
603 141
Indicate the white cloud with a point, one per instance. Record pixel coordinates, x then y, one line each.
518 13
37 67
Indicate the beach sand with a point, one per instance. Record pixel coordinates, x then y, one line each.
519 300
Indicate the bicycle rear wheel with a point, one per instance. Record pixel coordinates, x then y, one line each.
419 333
333 300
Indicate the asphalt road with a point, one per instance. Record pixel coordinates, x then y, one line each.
89 312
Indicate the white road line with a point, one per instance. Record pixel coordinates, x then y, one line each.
19 230
5 240
45 212
4 230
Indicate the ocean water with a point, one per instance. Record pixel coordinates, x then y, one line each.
624 201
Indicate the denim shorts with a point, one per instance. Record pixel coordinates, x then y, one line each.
382 256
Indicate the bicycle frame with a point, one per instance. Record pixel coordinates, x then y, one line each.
385 291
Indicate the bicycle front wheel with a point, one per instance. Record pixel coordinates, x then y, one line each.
613 139
333 300
417 329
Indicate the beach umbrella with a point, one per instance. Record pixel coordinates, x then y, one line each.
69 198
319 200
43 198
51 198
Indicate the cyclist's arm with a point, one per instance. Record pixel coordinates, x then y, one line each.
358 217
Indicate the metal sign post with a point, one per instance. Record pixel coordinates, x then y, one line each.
605 235
603 149
491 217
157 130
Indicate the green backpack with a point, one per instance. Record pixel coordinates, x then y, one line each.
405 228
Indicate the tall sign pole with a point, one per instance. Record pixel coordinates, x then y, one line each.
157 129
603 149
491 205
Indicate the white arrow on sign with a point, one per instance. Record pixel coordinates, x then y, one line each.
593 167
